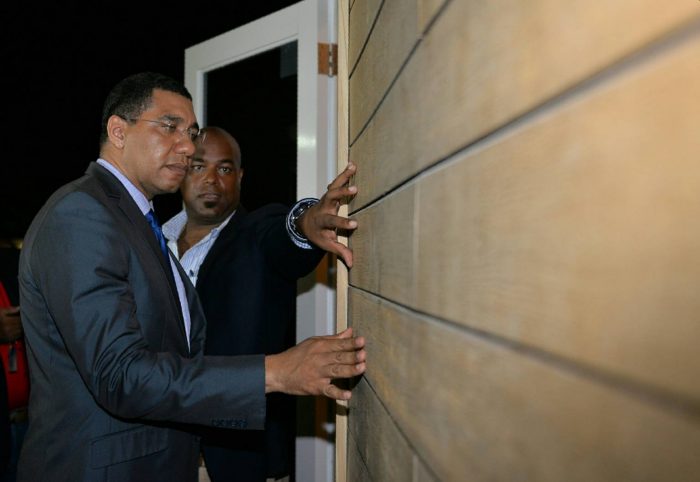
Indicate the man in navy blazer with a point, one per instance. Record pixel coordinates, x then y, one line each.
245 266
114 328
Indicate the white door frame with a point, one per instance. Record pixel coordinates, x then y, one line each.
308 23
304 23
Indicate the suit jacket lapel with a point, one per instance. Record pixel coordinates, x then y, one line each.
123 201
197 320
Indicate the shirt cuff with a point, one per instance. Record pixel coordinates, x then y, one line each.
299 208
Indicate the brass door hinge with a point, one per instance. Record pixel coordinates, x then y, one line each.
328 59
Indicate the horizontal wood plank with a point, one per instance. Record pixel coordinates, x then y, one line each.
481 65
477 410
392 39
384 450
421 472
357 469
384 256
361 21
575 234
427 9
579 233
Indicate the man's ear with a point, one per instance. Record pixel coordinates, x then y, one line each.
116 131
240 177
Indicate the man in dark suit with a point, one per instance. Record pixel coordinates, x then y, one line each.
114 328
244 266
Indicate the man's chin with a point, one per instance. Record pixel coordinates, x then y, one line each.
210 205
171 185
167 189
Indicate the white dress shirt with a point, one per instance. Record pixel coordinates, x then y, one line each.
191 259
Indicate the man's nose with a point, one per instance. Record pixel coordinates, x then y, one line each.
210 175
185 146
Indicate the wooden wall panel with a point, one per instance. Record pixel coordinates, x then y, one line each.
579 232
421 472
361 21
384 254
393 37
427 9
525 267
475 409
484 64
565 234
357 470
382 447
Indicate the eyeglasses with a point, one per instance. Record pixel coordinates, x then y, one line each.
170 128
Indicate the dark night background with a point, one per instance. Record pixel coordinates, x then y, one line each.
58 63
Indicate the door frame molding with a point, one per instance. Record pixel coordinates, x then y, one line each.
302 22
309 23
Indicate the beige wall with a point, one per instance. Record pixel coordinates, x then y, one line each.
528 258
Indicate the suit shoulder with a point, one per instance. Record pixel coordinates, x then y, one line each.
79 197
84 186
81 194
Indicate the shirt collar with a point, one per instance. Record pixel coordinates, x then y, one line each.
173 228
139 198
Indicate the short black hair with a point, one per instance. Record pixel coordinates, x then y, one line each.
131 96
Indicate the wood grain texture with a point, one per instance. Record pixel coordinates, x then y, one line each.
383 449
579 233
575 233
357 470
392 39
480 410
427 9
384 248
421 472
361 21
483 64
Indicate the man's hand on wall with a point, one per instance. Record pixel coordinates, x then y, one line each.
320 223
310 367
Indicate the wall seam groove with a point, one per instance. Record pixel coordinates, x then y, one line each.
650 51
369 36
433 20
359 452
679 404
398 73
398 428
386 93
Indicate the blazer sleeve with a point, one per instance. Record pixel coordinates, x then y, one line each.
279 250
87 271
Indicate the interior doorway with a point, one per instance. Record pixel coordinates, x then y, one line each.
255 99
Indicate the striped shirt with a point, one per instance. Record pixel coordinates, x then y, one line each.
191 259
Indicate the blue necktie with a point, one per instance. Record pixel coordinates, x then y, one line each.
155 226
